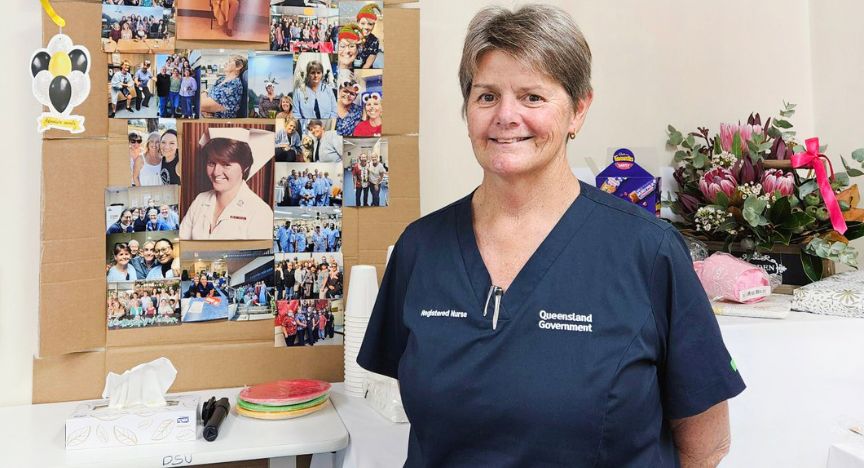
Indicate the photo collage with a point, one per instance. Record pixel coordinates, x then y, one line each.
317 97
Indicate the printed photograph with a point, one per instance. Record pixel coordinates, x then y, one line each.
307 230
298 29
178 79
362 29
139 256
316 185
309 275
314 87
228 188
308 322
235 285
143 28
130 86
154 152
142 209
142 304
366 170
223 20
270 84
224 83
359 103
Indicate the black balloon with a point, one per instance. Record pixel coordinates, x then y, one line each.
40 62
60 92
79 60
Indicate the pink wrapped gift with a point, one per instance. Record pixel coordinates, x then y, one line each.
725 277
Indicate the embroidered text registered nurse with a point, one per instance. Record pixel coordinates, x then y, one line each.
531 327
230 210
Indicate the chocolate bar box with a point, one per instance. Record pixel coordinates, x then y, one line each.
626 179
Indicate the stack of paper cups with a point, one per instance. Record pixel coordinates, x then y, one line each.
362 291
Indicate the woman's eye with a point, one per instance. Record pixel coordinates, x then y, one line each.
534 98
486 97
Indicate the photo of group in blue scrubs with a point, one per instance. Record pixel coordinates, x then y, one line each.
308 185
307 230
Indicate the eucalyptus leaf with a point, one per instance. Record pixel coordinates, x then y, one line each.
675 139
700 160
773 132
858 155
680 155
843 177
780 123
812 266
807 188
850 170
796 220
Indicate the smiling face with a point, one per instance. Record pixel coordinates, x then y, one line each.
148 252
366 25
126 217
168 145
347 53
224 177
373 108
518 119
164 252
122 257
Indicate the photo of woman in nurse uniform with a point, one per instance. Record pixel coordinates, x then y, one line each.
226 208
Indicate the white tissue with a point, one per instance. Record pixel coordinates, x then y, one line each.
143 385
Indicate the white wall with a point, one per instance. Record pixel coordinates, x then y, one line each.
655 63
837 41
21 33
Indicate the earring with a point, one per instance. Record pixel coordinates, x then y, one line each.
571 136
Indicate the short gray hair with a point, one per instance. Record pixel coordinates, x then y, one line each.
543 37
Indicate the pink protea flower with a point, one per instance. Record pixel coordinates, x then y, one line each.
728 131
717 180
776 179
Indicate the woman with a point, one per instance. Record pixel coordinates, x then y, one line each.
223 99
333 285
366 19
316 99
121 271
230 209
135 309
616 370
286 107
114 33
148 169
174 92
308 282
170 151
371 123
126 32
348 112
188 89
123 223
287 140
166 269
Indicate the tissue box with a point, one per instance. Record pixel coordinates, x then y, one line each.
625 179
841 294
95 425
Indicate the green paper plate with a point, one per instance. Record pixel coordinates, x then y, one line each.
281 409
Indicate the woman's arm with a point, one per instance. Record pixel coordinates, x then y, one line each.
369 61
136 170
209 104
704 439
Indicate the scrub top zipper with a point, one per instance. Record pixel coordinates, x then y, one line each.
496 291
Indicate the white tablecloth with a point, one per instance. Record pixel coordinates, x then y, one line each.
849 454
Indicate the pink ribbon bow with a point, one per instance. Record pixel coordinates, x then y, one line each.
811 158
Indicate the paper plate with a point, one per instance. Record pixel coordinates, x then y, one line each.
280 414
284 392
275 409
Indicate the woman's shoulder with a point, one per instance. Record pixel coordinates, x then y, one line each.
436 224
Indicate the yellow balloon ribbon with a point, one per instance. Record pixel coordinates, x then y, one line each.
46 5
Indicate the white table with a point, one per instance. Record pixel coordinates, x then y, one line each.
33 436
375 441
847 454
805 379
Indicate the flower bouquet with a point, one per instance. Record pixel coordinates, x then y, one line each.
754 185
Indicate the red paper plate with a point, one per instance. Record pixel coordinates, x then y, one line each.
285 392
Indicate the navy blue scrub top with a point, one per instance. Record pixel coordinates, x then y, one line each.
604 336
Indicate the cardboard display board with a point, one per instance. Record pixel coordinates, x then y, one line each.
75 348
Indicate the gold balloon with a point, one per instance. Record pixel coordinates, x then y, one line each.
60 64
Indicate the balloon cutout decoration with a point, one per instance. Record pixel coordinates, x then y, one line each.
61 81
